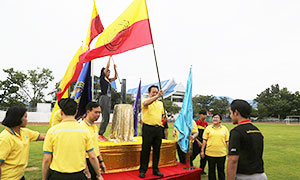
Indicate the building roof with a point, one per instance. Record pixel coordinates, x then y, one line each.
168 86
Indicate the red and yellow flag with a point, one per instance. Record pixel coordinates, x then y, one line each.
131 30
67 80
95 29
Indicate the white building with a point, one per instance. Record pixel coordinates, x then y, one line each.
173 91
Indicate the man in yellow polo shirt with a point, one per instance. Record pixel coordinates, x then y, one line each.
65 146
93 111
152 129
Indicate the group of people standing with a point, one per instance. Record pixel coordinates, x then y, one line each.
243 146
71 149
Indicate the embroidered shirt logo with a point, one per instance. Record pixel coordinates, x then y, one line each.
233 150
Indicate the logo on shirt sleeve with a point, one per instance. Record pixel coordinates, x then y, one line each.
233 150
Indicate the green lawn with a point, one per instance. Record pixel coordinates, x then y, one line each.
281 152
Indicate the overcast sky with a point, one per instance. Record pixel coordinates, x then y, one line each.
236 48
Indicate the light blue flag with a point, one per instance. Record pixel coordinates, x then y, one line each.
184 122
113 85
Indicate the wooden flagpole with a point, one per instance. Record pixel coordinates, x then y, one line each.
162 98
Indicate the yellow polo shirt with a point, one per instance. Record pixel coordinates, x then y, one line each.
194 130
216 140
56 118
152 113
68 142
94 133
14 152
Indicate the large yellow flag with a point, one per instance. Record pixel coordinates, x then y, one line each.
67 80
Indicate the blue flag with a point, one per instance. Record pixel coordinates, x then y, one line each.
184 122
113 85
136 109
82 92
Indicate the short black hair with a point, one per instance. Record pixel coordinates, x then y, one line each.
242 106
217 114
202 112
153 86
68 106
91 105
13 116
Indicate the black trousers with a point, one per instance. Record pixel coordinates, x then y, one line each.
152 136
196 151
181 154
91 169
55 175
212 162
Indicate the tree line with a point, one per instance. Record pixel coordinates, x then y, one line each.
29 88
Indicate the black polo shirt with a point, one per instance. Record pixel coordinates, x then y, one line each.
247 141
105 85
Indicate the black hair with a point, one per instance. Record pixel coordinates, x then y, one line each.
202 112
13 116
68 106
242 106
91 105
153 86
217 114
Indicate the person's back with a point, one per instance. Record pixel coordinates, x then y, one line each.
251 148
69 142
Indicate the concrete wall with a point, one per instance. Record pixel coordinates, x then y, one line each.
32 116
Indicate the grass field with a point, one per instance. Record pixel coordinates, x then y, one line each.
281 151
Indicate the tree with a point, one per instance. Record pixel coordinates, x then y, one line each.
12 89
38 80
21 88
202 102
171 107
276 102
220 105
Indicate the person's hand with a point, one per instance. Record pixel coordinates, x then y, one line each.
160 94
99 177
87 174
174 133
191 137
103 167
202 154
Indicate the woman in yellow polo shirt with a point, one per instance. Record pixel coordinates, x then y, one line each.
215 139
14 144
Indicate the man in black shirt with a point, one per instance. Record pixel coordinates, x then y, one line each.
105 98
245 145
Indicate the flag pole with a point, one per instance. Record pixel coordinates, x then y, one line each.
162 98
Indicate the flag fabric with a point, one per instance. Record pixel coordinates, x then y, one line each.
114 85
95 28
56 107
184 122
129 31
66 81
136 109
71 74
82 93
